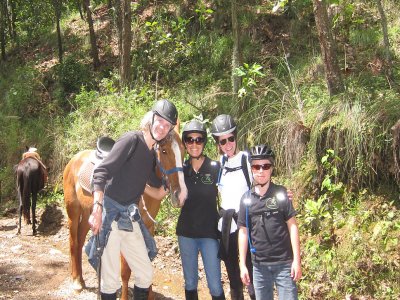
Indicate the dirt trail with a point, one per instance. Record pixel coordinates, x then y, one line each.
37 267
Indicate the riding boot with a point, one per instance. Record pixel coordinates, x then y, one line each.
191 295
105 296
237 294
140 293
221 297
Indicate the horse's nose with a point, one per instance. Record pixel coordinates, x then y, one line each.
175 198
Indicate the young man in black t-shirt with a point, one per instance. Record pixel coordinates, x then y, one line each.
268 225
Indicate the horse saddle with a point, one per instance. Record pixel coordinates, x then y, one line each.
85 175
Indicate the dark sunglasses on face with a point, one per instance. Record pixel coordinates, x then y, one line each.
189 140
258 167
224 141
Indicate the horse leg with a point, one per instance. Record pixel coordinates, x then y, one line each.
76 259
83 229
34 199
20 217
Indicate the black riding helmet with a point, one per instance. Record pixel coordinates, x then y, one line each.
166 110
194 126
262 152
223 124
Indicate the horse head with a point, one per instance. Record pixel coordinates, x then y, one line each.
169 159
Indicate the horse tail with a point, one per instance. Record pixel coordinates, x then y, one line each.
23 186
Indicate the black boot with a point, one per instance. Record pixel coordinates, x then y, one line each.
191 295
140 293
237 293
222 297
108 296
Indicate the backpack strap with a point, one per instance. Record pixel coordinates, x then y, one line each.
223 161
246 170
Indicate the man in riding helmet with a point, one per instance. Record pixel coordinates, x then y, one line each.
234 180
268 227
119 182
197 223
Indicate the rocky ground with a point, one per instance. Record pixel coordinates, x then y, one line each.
37 267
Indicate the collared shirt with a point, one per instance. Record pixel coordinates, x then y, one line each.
268 215
199 216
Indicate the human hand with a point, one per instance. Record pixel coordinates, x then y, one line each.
295 271
95 218
290 195
244 275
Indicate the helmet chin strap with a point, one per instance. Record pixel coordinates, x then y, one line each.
151 133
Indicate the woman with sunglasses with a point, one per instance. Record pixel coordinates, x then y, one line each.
197 223
234 181
267 223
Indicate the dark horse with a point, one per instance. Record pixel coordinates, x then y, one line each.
79 203
31 178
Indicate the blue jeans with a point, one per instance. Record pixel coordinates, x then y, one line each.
189 249
265 276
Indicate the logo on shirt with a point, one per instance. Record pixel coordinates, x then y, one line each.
207 179
271 203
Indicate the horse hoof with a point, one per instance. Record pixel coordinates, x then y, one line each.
77 286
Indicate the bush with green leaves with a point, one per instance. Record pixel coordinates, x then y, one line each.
73 74
349 240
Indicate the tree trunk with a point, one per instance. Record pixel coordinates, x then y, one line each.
388 58
235 50
94 52
57 12
332 71
126 42
3 7
118 23
12 20
79 5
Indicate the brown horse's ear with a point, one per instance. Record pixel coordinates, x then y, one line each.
26 148
177 127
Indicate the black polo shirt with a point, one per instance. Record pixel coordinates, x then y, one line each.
199 215
268 215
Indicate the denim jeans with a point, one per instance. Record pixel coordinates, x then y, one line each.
189 249
264 277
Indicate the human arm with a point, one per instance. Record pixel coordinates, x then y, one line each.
96 215
156 193
295 241
242 244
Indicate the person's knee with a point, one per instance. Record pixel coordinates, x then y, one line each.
145 278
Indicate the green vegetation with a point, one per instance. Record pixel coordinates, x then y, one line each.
339 154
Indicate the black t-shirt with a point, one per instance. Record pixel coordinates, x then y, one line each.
268 215
199 215
123 174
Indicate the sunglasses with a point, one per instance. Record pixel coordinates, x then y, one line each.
198 141
229 139
258 167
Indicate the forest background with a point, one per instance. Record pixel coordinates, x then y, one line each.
317 80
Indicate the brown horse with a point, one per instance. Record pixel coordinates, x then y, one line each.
79 203
31 178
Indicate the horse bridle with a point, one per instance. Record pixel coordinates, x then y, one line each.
165 173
